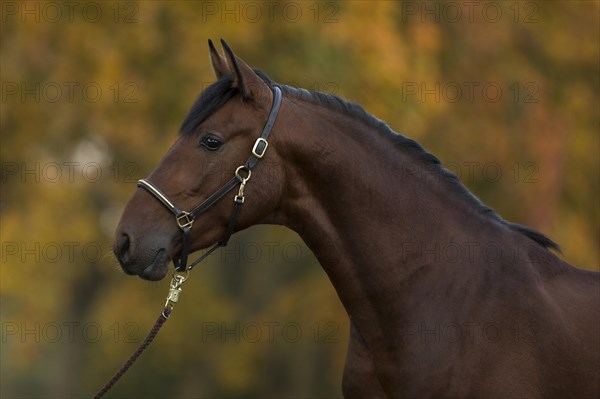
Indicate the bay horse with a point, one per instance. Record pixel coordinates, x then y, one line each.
445 298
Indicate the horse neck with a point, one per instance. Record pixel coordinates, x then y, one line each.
374 215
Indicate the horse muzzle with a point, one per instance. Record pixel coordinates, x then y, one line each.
150 262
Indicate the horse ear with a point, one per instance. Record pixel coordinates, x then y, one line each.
244 78
219 63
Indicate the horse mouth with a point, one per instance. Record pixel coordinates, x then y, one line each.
158 268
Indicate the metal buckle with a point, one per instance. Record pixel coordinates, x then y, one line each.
260 152
184 220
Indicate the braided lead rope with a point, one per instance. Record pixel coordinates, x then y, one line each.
134 356
172 298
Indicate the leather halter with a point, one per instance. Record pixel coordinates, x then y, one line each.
186 219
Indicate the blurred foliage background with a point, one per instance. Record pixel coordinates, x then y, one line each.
505 93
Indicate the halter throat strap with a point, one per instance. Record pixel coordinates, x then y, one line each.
185 219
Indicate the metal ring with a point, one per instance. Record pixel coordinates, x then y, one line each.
179 278
243 167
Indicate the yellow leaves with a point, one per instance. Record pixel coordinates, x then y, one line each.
56 231
426 37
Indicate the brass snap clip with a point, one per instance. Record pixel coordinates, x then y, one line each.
175 288
240 195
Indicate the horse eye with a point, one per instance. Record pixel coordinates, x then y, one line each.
211 142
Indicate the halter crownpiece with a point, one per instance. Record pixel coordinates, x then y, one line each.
185 220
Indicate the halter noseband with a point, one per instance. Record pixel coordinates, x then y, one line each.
186 219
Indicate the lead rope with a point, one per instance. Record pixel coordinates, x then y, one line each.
174 290
172 297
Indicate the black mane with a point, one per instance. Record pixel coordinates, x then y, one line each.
217 94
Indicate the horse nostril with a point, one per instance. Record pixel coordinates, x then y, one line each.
122 246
